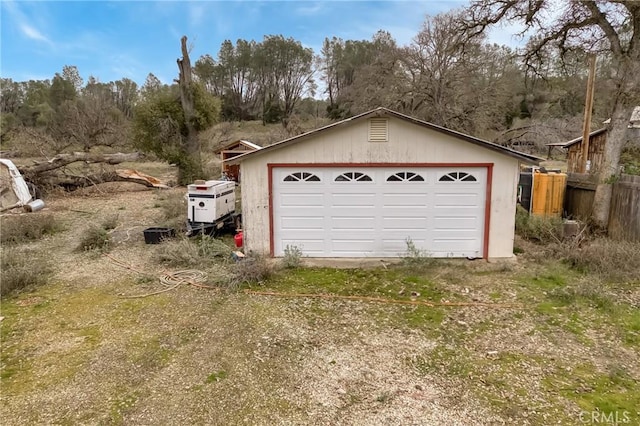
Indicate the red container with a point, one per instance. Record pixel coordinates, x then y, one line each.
238 239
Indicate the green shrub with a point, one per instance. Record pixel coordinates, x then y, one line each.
630 160
209 247
94 238
417 257
180 252
535 228
292 257
192 251
23 268
28 227
111 222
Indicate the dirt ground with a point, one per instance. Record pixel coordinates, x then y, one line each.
80 351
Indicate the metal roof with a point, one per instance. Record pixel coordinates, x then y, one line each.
385 112
579 139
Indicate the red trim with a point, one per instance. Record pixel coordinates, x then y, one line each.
270 178
487 208
487 213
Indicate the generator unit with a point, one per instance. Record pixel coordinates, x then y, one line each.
211 206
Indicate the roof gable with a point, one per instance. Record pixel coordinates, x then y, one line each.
384 112
237 143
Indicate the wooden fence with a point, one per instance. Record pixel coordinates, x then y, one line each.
624 211
624 215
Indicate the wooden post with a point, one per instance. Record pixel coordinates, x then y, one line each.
588 108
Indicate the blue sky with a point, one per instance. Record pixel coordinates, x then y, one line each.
115 39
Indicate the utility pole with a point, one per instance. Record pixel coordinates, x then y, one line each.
588 109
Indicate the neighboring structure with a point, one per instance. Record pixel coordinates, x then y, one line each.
365 186
595 156
597 142
232 150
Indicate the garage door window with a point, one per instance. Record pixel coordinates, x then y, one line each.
353 176
405 177
301 177
458 177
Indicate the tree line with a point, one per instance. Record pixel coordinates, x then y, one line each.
443 76
449 74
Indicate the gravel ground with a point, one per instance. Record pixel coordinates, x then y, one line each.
77 352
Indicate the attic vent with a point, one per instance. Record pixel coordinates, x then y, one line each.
378 130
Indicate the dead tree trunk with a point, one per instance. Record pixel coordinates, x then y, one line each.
191 168
71 183
62 160
53 172
626 99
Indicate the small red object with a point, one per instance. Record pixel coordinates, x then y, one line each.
238 239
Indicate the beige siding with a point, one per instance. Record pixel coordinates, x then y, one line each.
408 143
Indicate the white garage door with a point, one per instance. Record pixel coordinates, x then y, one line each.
373 211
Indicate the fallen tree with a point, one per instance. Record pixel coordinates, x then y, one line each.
62 160
72 182
57 171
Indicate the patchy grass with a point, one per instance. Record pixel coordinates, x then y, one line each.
611 392
76 350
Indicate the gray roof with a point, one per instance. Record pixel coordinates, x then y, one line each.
385 112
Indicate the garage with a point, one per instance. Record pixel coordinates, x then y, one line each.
365 186
374 211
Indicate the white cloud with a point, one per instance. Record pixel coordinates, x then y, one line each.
24 24
33 33
310 9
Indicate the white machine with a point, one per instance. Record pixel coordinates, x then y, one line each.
211 206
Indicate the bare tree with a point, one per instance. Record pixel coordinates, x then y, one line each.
601 27
192 166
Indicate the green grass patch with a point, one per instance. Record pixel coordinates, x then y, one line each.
628 322
92 334
444 361
548 281
392 283
148 352
121 405
614 391
216 376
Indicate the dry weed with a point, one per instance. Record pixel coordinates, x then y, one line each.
23 268
28 227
